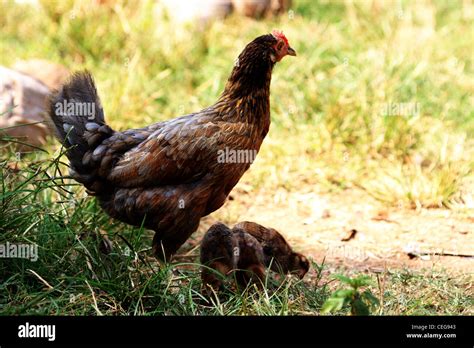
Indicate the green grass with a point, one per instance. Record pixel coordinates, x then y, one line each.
328 132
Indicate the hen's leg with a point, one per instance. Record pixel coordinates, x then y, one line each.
165 244
165 248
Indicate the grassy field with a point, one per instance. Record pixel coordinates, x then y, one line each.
380 97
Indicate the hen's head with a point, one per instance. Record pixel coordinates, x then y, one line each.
252 70
281 47
270 47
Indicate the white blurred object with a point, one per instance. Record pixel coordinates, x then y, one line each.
202 11
28 2
252 8
51 74
261 8
22 101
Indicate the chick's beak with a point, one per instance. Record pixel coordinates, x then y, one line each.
291 51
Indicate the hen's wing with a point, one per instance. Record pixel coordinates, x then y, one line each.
179 151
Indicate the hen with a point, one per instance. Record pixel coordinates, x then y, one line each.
167 176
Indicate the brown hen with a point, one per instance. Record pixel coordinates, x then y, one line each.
167 176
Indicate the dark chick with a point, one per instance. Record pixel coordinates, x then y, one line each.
278 253
219 255
224 250
251 260
168 175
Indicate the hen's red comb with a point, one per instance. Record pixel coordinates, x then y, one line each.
279 35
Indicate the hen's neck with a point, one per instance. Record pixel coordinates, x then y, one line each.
252 73
246 97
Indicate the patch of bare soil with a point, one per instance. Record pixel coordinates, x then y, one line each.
353 230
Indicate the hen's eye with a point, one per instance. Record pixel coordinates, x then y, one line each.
280 45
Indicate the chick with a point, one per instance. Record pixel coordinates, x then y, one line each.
219 251
278 254
251 259
225 250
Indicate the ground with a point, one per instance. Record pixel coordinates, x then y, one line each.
321 226
317 224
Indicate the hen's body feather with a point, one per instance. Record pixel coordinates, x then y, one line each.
167 175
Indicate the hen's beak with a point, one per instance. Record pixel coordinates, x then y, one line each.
291 51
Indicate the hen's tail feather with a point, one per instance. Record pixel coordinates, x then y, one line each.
78 118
